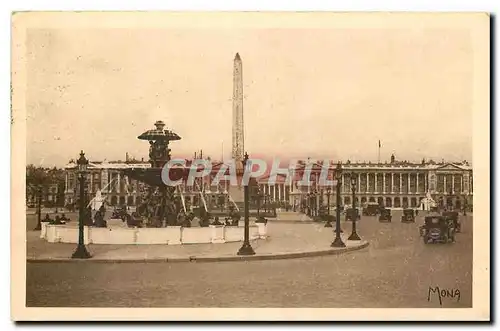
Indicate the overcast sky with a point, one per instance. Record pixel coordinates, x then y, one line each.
308 92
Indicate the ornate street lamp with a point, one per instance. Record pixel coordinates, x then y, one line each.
39 191
81 251
313 204
354 215
328 191
40 180
316 202
465 205
338 176
328 223
246 249
258 201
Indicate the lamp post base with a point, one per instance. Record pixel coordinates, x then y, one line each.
337 243
38 227
81 253
354 236
246 249
328 225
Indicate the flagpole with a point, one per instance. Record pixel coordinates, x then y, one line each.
379 152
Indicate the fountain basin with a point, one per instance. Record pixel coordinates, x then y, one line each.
172 235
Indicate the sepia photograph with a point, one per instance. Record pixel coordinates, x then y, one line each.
250 166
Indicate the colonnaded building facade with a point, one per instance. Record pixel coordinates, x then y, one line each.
394 184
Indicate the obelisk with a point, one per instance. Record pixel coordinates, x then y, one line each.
238 127
238 130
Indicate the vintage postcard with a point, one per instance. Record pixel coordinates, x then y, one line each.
250 166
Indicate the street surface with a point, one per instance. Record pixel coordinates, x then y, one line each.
396 271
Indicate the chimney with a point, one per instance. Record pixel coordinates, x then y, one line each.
126 157
142 159
201 154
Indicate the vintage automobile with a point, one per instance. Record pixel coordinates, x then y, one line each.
453 216
408 216
437 229
385 215
371 209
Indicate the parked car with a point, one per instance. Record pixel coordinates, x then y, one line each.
437 229
371 209
385 215
408 216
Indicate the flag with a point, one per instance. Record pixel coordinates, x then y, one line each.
379 145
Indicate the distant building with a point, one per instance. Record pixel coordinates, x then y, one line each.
104 176
396 184
51 183
50 195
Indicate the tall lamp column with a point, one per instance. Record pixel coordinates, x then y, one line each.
354 216
246 249
465 205
81 251
338 176
328 223
39 190
258 201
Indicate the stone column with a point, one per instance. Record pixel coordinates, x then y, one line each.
409 182
66 182
471 185
279 192
383 182
118 182
392 182
274 192
376 184
359 183
400 183
453 184
309 187
367 183
462 184
416 187
343 184
444 185
91 183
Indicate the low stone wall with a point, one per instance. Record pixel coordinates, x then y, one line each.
172 235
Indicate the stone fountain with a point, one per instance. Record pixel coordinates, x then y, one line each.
166 223
158 202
